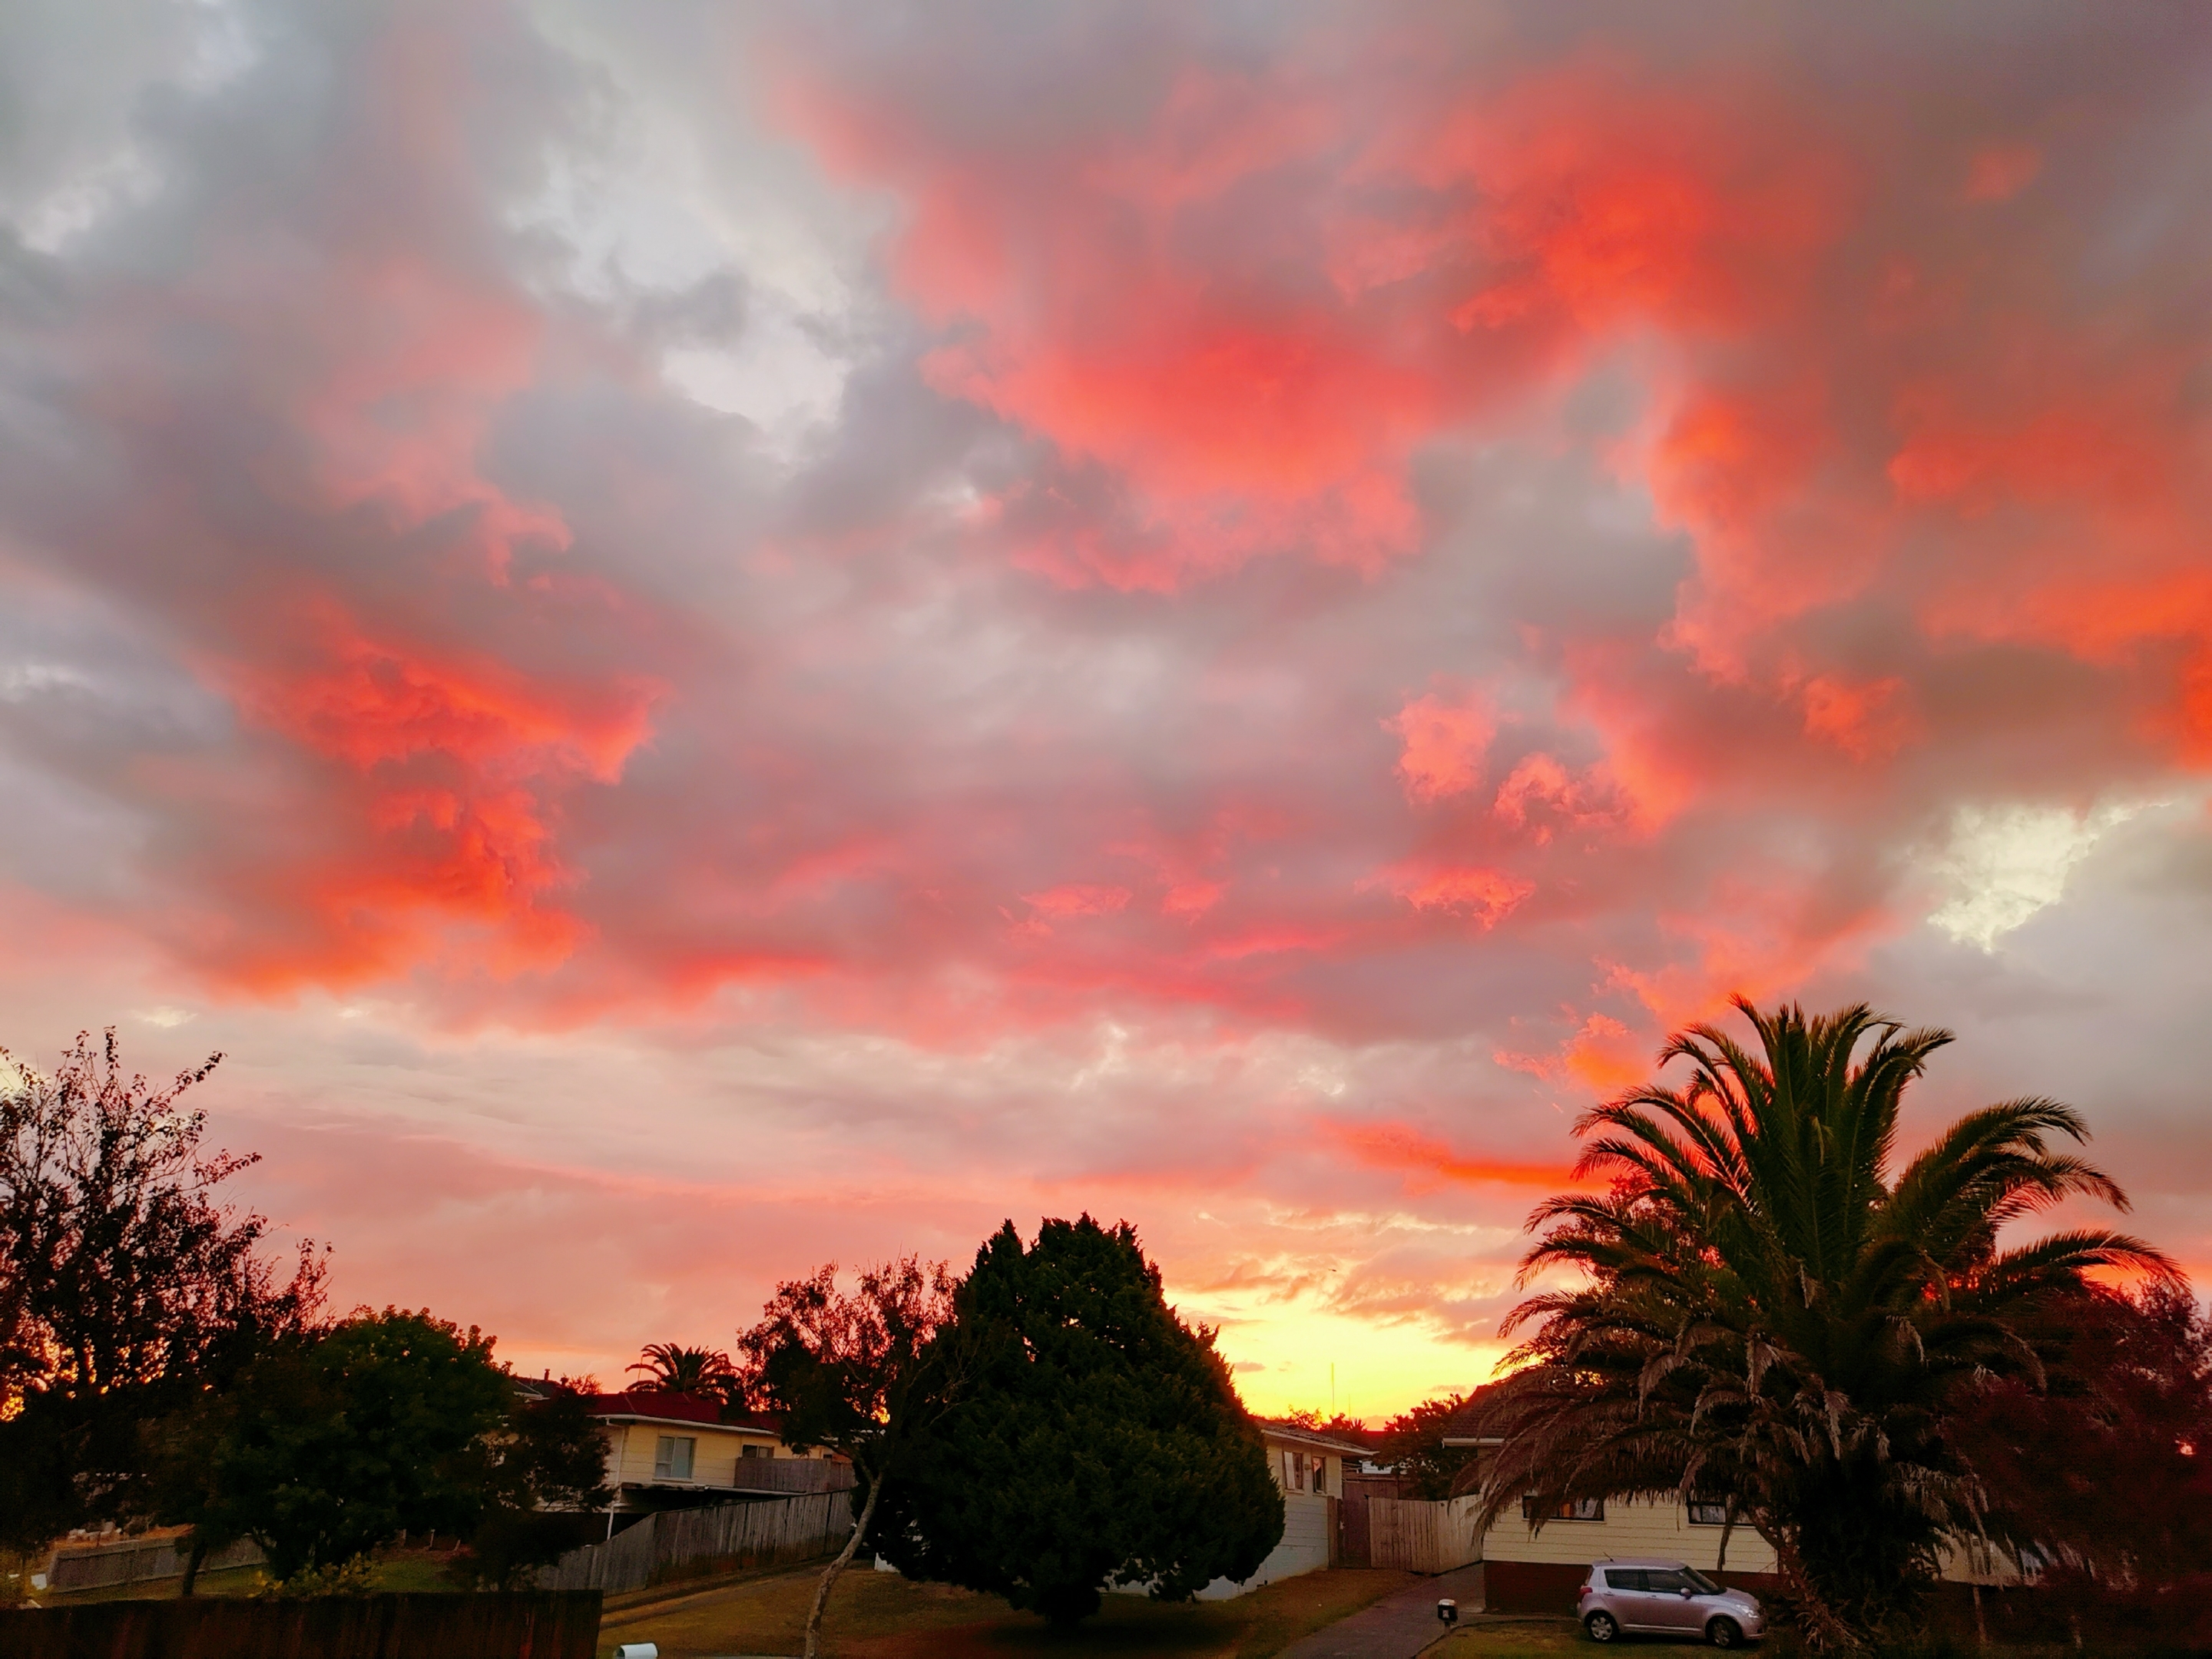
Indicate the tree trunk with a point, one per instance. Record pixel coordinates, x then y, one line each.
192 1561
844 1559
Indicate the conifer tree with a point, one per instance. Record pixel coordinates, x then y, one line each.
1098 1439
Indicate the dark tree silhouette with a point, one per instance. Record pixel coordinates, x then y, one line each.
1100 1440
705 1372
862 1374
2105 1474
127 1287
1412 1444
330 1445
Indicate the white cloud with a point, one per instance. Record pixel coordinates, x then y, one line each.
21 681
2005 863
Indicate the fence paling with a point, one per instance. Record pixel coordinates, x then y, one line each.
1419 1537
792 1474
135 1562
774 1529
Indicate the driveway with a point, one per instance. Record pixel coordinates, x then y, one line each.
1398 1627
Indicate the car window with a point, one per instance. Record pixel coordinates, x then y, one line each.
1623 1578
1665 1582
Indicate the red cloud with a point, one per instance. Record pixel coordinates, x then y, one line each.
1399 1147
1444 743
458 761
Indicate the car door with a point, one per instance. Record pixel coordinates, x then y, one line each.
1668 1603
1624 1594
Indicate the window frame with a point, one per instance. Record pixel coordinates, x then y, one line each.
665 1450
1568 1510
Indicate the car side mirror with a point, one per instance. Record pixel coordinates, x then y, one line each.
1686 1592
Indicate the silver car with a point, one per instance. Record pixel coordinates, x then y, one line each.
1665 1598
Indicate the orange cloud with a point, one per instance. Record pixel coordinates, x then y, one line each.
460 757
1865 721
1444 746
1395 1146
1488 896
1077 899
2001 172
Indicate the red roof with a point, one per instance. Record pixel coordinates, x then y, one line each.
678 1407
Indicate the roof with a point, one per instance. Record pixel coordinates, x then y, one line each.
662 1406
1461 1428
1311 1438
1673 1561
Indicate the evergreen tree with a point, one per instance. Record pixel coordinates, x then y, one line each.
1097 1439
330 1446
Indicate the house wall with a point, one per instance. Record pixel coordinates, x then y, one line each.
1631 1528
1309 1544
1308 1539
630 1448
1280 1454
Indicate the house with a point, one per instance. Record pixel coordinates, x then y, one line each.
1529 1570
676 1450
1309 1467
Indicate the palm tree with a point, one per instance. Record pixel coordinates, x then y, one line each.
1768 1316
705 1372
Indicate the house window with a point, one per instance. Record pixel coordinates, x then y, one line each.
1574 1509
1321 1474
671 1456
756 1451
1709 1511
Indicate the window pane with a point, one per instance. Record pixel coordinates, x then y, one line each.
664 1457
1667 1582
1623 1578
685 1447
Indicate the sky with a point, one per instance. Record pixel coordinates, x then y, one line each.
705 638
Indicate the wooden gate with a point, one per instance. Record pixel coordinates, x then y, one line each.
1417 1537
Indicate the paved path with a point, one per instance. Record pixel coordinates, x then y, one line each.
1398 1627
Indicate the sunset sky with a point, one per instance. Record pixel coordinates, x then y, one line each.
711 637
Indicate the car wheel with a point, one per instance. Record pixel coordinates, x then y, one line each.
1724 1633
1601 1627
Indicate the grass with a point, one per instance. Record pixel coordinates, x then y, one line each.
1523 1639
880 1615
1541 1639
395 1570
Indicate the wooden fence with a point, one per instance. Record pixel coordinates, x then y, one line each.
792 1474
139 1559
746 1534
1417 1537
505 1624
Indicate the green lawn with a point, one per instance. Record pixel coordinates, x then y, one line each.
879 1615
396 1570
1524 1639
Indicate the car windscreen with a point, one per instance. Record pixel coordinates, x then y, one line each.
1699 1582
